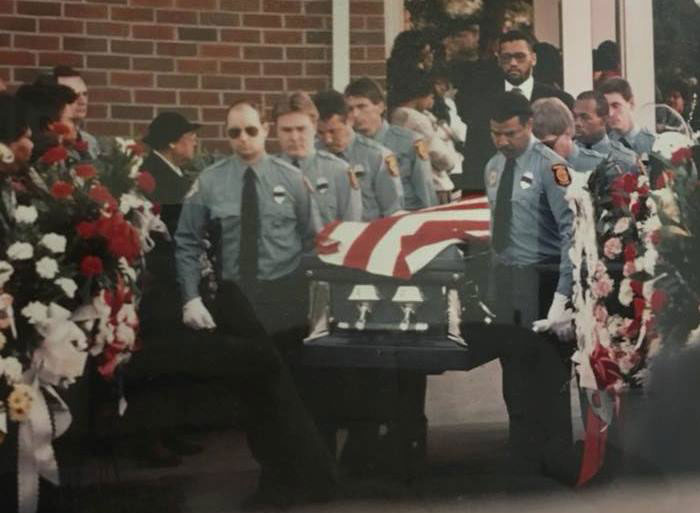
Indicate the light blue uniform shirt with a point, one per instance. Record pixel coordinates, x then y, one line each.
416 172
641 141
335 199
615 151
284 207
582 159
382 193
541 223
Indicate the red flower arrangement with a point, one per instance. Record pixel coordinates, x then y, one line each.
54 155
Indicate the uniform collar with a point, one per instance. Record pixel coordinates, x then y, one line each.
383 128
526 87
303 161
172 166
258 167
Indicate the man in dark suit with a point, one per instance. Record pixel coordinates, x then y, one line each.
173 141
517 60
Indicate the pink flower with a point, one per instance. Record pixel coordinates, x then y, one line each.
602 286
612 248
600 313
629 268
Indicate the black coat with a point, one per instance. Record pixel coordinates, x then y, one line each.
473 105
161 300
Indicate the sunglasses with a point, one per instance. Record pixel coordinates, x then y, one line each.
235 133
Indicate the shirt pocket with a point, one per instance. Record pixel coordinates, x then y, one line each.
280 218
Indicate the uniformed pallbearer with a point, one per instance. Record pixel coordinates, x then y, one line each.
366 106
553 125
261 209
591 112
532 281
335 191
374 167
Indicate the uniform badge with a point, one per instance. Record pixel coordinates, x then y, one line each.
421 149
359 170
322 184
493 178
392 164
279 194
193 190
352 178
526 180
561 175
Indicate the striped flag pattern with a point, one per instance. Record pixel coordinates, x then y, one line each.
401 245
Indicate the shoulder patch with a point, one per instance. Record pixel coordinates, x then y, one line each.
421 149
392 164
561 175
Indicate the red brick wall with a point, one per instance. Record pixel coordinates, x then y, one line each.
140 57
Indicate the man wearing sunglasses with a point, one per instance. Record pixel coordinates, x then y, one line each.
259 209
373 167
335 197
517 60
553 125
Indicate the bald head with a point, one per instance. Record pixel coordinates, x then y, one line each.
246 131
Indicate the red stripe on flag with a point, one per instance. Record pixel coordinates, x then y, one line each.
432 232
361 249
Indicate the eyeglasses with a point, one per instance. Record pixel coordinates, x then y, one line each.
235 132
505 58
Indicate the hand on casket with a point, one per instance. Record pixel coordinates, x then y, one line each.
559 319
196 316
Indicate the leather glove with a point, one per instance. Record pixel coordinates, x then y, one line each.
559 319
196 316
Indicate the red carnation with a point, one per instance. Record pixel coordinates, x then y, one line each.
54 154
681 155
146 182
605 369
59 128
86 230
81 145
630 251
61 189
658 300
85 170
91 265
639 305
655 237
156 208
101 194
137 149
636 208
636 287
633 329
629 183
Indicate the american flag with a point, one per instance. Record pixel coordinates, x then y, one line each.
401 245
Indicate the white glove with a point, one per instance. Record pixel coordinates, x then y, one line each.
559 319
196 316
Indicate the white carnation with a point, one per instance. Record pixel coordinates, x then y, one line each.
54 242
36 312
127 314
6 271
20 251
47 268
67 285
621 225
24 214
128 202
126 335
12 369
626 294
650 258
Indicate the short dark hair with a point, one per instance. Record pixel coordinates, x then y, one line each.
602 108
13 122
678 84
616 85
416 84
365 87
516 35
330 103
64 71
508 105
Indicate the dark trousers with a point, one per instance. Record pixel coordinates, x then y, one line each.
264 329
536 367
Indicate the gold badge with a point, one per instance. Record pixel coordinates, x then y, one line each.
561 175
392 164
421 149
354 182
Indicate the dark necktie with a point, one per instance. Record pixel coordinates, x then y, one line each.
504 209
248 256
517 90
341 155
588 146
295 163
